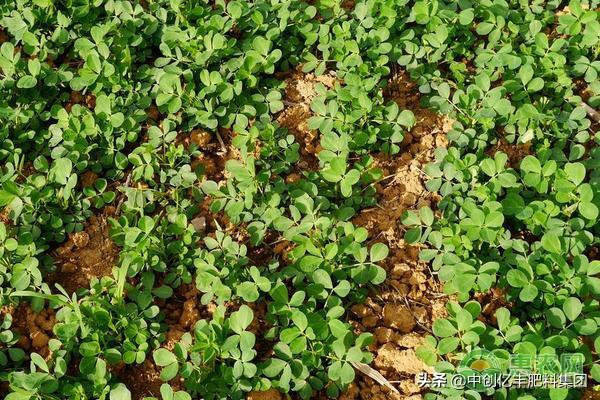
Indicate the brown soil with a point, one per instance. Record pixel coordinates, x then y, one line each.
35 329
401 312
75 97
591 394
403 185
182 312
89 100
88 254
212 221
153 113
586 93
88 178
404 361
271 394
491 301
259 324
142 380
200 138
299 93
581 87
25 171
515 152
5 216
281 248
263 253
593 253
213 154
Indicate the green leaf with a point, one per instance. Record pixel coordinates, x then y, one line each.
551 243
310 263
61 170
427 354
163 357
234 9
586 327
595 372
347 373
241 319
410 218
588 210
448 345
120 392
556 317
464 320
83 45
528 293
146 224
412 235
26 82
426 215
321 276
248 291
531 164
575 172
572 308
503 318
169 372
535 85
273 367
378 252
299 319
466 16
558 393
443 328
517 278
338 328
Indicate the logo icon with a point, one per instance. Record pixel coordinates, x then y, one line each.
480 369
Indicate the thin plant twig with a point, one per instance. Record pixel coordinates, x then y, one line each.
593 114
127 182
374 374
223 147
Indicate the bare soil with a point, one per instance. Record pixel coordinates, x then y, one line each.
401 312
299 93
515 152
142 380
35 329
88 254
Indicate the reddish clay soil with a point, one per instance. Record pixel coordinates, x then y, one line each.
212 222
182 312
200 138
491 301
88 178
299 93
212 157
35 329
515 152
214 151
88 254
142 380
271 394
591 394
401 311
4 216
